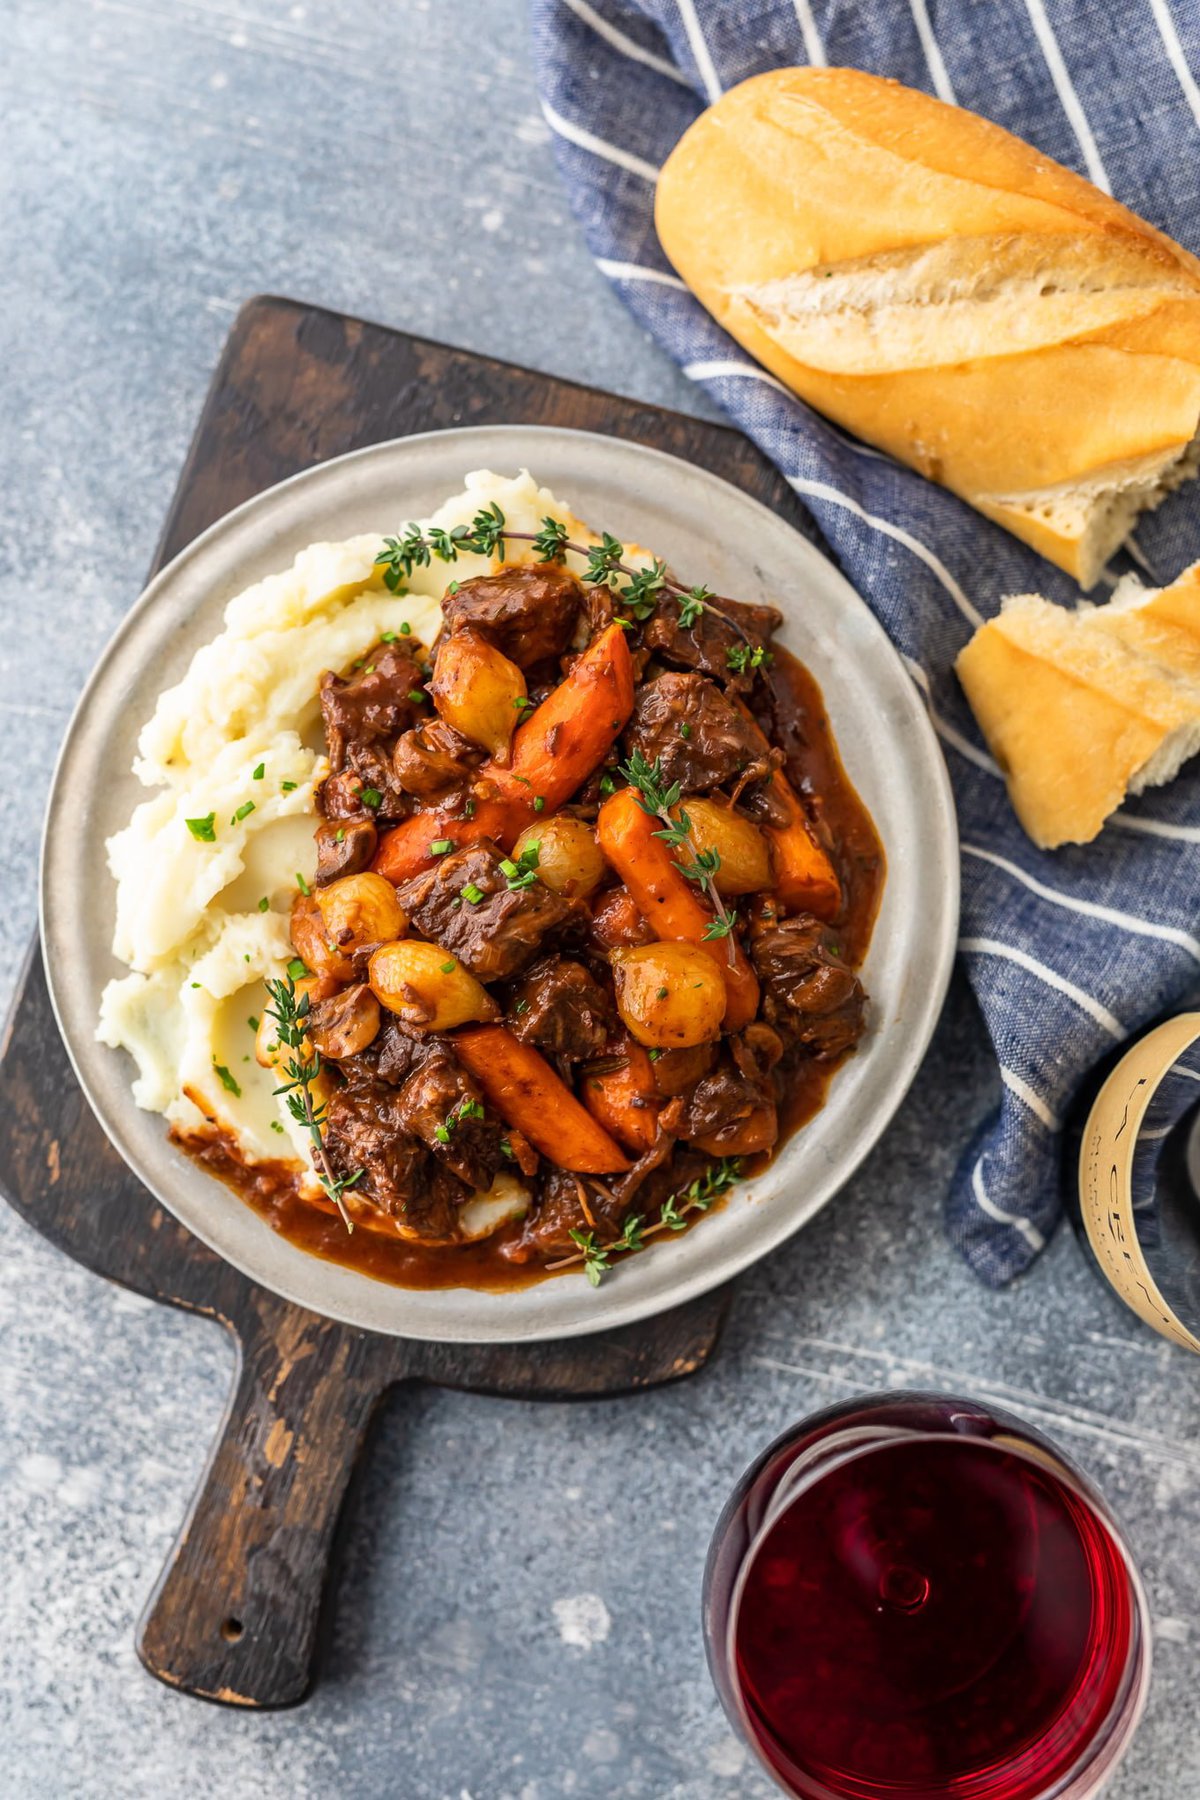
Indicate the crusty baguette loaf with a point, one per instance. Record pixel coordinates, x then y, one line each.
1080 708
948 294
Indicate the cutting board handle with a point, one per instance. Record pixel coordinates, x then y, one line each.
235 1614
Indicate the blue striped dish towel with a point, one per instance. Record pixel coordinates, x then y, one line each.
1067 952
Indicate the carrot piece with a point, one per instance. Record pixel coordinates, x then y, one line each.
526 1092
568 736
805 878
561 743
673 908
626 1101
404 851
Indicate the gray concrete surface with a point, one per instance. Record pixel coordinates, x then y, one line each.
519 1616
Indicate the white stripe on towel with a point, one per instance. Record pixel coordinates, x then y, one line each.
1174 50
623 271
1066 93
814 49
1032 1100
1186 834
933 55
1028 1231
1051 977
699 48
587 140
1090 909
710 371
821 490
626 45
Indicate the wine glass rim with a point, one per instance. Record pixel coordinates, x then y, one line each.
1112 1736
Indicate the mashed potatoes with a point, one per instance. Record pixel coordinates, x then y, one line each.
208 866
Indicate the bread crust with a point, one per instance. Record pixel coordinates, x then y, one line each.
948 294
1080 707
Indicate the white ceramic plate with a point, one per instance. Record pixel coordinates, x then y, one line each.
708 532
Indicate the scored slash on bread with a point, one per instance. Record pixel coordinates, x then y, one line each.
1081 707
947 293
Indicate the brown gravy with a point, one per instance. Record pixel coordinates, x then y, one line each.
798 723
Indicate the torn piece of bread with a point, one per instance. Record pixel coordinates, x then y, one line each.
947 293
1080 708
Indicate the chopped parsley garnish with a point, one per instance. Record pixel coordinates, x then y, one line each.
252 1022
523 872
205 830
228 1081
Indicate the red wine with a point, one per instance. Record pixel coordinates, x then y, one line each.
921 1615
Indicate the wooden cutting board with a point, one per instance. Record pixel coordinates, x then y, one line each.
236 1611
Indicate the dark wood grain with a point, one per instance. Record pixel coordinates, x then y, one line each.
235 1616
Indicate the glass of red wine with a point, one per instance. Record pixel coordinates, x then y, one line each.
917 1597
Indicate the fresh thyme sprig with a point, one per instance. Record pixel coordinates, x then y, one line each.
657 798
604 564
290 1014
698 1196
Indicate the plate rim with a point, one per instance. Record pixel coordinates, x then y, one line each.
939 812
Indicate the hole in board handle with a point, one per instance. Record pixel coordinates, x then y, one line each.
231 1630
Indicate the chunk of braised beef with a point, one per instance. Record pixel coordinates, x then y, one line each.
465 904
809 994
558 1210
617 922
560 1008
398 1050
344 849
433 759
719 641
701 739
717 1100
528 612
441 1105
373 706
366 788
666 1179
391 1056
554 1215
364 1130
